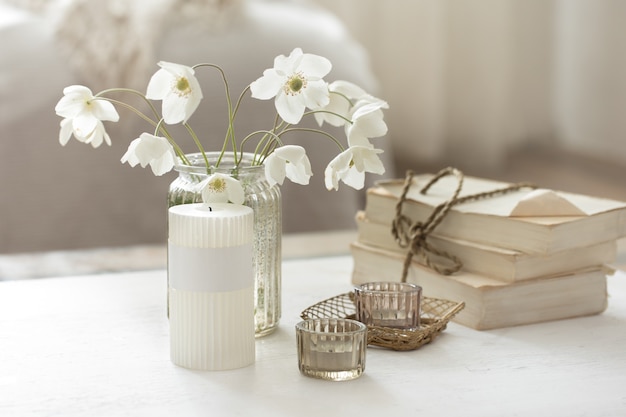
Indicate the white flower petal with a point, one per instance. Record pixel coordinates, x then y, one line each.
130 156
351 165
339 163
66 131
290 108
275 170
84 124
174 109
194 99
97 136
77 90
346 171
314 66
267 86
316 94
104 110
164 164
296 163
374 165
69 106
290 152
366 159
299 173
367 123
288 64
348 89
330 178
235 191
74 101
337 104
107 138
353 178
363 110
160 85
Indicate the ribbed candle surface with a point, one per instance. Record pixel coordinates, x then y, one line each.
211 286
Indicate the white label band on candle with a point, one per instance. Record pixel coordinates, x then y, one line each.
210 269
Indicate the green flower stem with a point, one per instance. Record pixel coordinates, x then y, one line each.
321 132
198 143
267 133
282 128
279 124
270 145
230 132
344 96
267 140
132 91
133 109
231 126
171 140
329 112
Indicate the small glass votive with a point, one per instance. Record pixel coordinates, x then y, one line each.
388 304
331 348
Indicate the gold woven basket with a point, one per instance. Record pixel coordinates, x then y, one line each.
434 318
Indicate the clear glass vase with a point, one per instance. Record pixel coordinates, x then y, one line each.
265 201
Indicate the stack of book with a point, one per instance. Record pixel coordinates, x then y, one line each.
528 256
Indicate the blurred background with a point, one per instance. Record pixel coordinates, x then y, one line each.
475 81
517 90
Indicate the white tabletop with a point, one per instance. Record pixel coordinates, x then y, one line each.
98 346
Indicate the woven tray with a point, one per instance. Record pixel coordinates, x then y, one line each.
435 315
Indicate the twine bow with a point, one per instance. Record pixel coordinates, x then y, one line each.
413 235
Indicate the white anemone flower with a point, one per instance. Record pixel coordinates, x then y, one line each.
288 161
222 188
367 122
179 89
351 165
342 93
155 151
83 115
297 83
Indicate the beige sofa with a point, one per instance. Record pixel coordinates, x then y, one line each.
55 197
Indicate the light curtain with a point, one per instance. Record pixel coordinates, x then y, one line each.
470 80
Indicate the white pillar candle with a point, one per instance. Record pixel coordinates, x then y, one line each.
211 286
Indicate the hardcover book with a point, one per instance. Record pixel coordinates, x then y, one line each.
490 303
529 221
504 264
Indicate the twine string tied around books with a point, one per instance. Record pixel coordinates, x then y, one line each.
413 235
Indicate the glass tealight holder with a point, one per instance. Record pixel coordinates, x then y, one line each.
388 304
331 348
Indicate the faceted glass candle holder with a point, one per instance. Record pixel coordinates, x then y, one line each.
388 304
331 348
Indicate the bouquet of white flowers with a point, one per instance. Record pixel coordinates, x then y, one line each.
295 82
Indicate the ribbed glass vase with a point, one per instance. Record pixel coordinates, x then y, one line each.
265 201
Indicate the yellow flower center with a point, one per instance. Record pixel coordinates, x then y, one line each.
217 185
182 86
295 84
